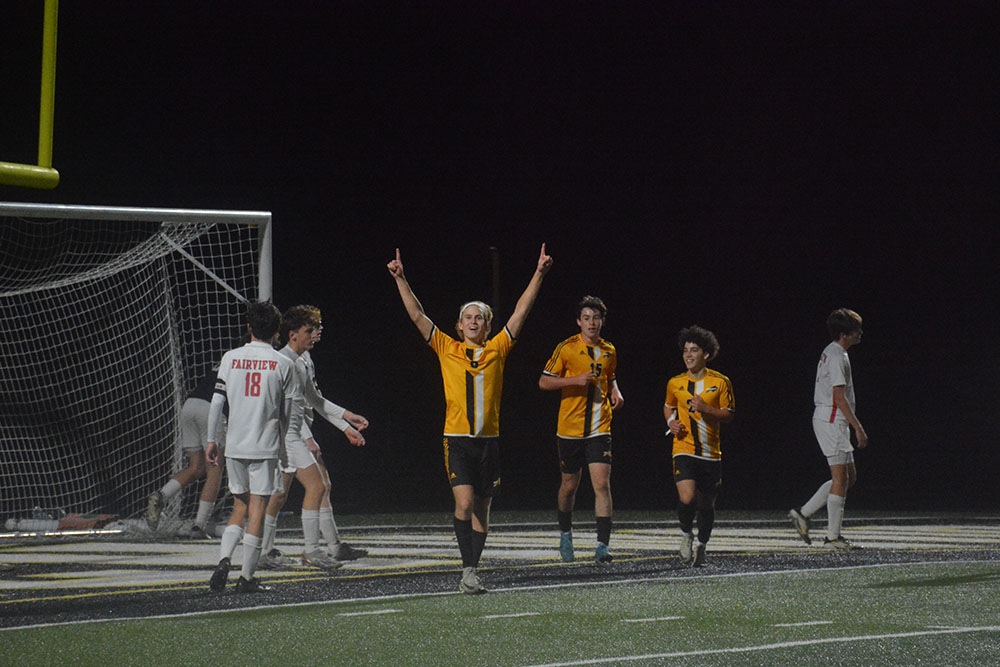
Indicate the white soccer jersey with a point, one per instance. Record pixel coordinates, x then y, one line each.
313 400
834 370
261 389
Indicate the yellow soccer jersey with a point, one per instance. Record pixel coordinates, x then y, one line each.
473 382
584 412
702 436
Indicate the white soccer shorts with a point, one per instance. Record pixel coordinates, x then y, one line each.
256 476
835 441
194 426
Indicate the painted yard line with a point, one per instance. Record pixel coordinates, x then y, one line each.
410 596
652 620
802 624
371 613
771 647
515 615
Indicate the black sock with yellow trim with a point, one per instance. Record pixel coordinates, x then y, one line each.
463 532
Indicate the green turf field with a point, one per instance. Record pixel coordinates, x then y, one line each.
942 613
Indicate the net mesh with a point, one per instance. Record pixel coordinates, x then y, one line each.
106 326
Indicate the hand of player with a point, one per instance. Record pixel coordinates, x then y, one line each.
544 262
357 421
212 454
396 266
581 380
677 428
354 437
617 400
698 404
313 447
862 437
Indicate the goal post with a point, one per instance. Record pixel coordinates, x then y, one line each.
109 316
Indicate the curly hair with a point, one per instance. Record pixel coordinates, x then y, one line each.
594 303
300 316
703 338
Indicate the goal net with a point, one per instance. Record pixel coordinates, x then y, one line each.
109 316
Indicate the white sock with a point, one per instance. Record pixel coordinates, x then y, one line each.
171 489
818 500
204 511
310 529
270 530
328 526
251 554
834 515
230 538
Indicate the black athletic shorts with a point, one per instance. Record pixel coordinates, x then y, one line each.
707 475
573 454
474 461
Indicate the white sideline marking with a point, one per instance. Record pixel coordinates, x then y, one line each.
371 613
516 589
515 615
769 647
802 624
652 620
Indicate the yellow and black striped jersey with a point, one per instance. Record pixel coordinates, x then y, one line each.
584 412
702 436
473 382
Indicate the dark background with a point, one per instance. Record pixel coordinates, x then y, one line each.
744 166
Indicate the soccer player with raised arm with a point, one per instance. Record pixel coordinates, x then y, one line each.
834 411
302 326
261 389
472 370
698 402
583 368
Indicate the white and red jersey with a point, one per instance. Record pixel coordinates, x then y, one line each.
834 370
261 389
312 397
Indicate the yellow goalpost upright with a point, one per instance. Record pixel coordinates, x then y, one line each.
41 176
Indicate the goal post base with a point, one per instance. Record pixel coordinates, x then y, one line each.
28 176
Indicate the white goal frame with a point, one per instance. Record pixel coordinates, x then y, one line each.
152 479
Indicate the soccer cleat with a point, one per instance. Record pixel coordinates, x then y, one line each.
344 551
801 524
251 585
566 546
220 577
470 584
198 533
839 543
154 507
273 560
603 554
321 559
687 542
699 555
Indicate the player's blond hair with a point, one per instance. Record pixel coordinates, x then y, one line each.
483 308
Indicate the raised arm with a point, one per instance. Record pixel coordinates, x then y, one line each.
410 302
527 300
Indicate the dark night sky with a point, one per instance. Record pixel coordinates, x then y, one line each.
746 166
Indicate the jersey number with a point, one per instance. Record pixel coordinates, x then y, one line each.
252 384
596 369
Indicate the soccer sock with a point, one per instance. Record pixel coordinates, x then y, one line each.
328 526
603 529
310 529
230 538
818 500
251 554
834 515
170 489
565 521
706 521
270 530
204 511
685 514
463 532
478 544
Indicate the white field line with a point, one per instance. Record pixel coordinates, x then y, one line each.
771 647
514 615
652 620
371 613
520 589
802 624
